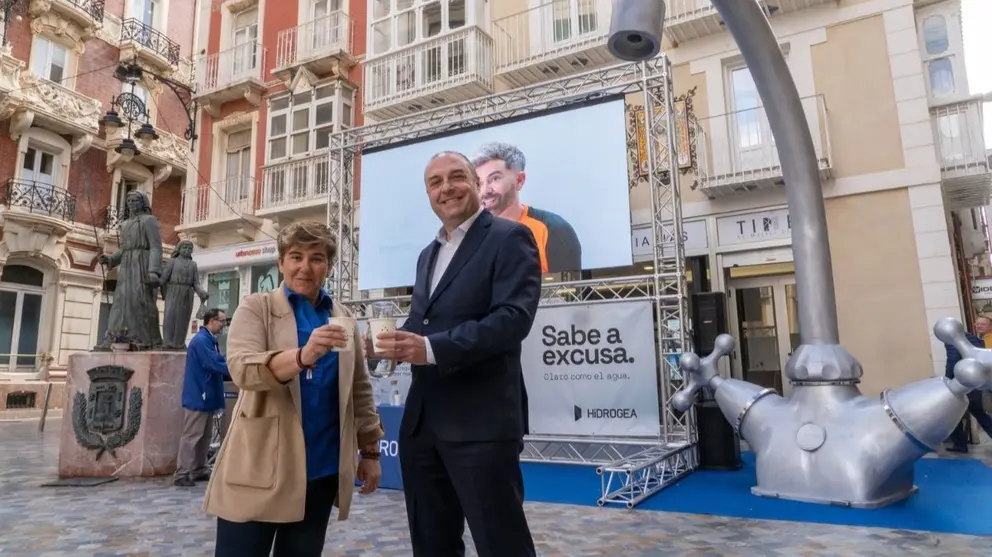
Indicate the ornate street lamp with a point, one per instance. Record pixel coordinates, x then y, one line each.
130 108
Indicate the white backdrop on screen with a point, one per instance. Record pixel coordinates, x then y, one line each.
591 370
576 168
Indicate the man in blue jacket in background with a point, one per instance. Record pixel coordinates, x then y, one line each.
959 438
203 396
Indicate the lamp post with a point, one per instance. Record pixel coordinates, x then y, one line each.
8 7
131 107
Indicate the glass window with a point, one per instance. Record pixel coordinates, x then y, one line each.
431 20
935 34
224 289
303 123
745 108
456 13
941 77
20 274
8 311
38 167
265 278
49 59
406 28
381 36
380 8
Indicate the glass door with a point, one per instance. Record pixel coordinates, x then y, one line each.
245 44
21 298
225 294
38 173
327 20
753 147
765 321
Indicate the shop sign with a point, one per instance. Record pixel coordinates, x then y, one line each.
981 289
693 235
233 256
754 227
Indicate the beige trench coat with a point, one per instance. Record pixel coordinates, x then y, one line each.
261 473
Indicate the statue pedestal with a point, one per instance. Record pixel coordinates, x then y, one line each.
123 414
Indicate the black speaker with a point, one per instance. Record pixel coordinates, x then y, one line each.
709 320
719 445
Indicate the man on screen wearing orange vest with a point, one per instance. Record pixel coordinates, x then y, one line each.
501 177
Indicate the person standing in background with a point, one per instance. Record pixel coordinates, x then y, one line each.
959 437
203 396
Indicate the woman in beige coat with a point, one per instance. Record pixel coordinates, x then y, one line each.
304 413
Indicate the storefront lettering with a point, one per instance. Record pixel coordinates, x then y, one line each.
253 252
768 225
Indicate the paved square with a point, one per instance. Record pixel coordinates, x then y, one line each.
152 518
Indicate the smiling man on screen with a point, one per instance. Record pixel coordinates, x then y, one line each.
501 174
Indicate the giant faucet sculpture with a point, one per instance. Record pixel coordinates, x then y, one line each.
827 442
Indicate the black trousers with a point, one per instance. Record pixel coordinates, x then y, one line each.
294 539
446 483
959 437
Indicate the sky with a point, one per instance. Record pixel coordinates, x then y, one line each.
977 24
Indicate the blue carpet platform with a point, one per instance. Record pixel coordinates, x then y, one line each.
955 497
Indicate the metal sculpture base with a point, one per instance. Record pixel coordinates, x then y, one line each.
828 443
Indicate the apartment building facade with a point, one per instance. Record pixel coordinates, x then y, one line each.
274 81
898 140
79 133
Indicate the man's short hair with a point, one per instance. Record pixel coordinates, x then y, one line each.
985 317
509 154
471 167
212 314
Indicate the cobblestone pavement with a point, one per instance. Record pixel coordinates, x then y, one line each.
152 518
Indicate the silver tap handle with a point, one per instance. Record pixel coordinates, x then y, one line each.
701 372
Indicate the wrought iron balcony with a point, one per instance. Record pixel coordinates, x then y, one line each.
86 14
295 184
691 19
112 218
218 203
551 40
741 151
964 162
39 198
319 44
137 32
446 69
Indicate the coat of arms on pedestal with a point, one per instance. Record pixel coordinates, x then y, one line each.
101 419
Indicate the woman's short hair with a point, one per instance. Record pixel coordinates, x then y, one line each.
307 233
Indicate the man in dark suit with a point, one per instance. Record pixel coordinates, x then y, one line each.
959 437
478 285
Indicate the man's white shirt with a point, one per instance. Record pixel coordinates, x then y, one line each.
445 253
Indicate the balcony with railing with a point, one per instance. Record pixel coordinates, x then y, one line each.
26 200
219 204
234 73
691 19
554 39
443 70
148 45
322 46
87 15
296 186
964 163
741 152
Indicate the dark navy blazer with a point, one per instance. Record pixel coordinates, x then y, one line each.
477 318
954 356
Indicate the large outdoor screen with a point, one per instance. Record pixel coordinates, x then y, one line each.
572 192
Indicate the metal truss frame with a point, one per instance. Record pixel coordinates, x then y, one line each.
640 466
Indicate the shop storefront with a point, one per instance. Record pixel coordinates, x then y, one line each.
230 273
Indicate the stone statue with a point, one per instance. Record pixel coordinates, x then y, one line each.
134 313
180 280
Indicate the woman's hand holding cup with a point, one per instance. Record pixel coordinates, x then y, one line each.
322 340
